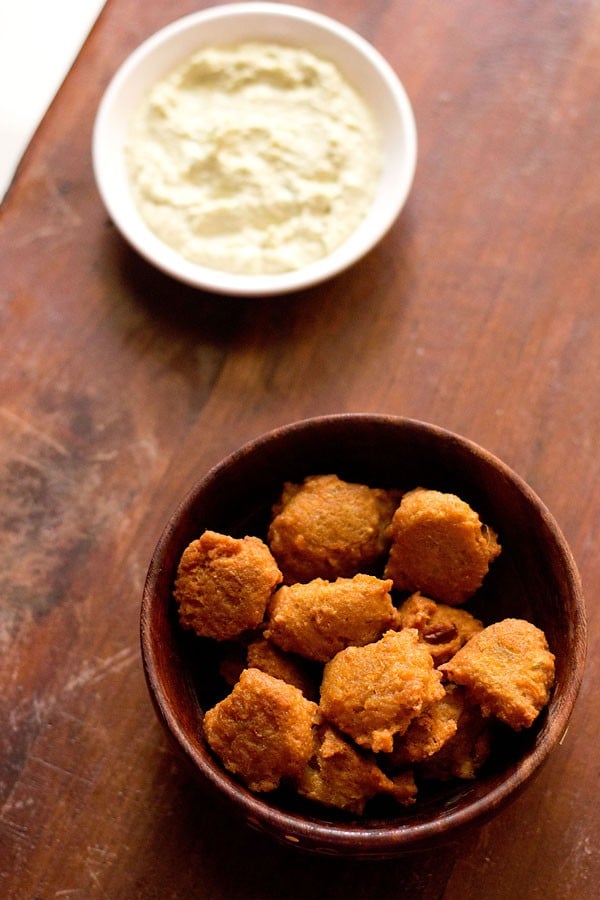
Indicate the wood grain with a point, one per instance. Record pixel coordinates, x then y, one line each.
478 312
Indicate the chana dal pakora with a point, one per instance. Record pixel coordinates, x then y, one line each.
328 528
351 669
507 669
374 692
439 547
262 731
320 618
224 584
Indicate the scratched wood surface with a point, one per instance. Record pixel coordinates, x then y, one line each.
479 312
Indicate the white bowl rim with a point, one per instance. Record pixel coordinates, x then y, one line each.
141 238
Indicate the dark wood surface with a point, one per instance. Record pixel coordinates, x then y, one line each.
478 312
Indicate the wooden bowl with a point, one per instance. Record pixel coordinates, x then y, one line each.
534 578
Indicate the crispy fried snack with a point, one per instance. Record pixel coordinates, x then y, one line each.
326 528
262 731
320 618
429 731
507 669
340 775
444 629
223 584
465 752
439 546
374 692
264 655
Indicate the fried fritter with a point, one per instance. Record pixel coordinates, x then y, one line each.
340 775
262 731
327 528
310 611
320 618
507 669
372 693
463 755
224 584
430 730
264 655
439 546
443 629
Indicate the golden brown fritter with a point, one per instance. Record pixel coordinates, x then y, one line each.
384 715
264 655
465 752
430 730
320 618
439 547
262 731
507 669
443 629
223 584
372 693
340 775
327 527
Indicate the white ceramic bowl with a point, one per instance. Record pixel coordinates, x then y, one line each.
356 59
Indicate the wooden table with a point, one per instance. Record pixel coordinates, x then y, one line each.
119 387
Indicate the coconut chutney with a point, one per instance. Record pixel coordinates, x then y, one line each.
254 158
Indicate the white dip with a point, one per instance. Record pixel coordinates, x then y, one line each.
255 158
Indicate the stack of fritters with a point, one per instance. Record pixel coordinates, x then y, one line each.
358 674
